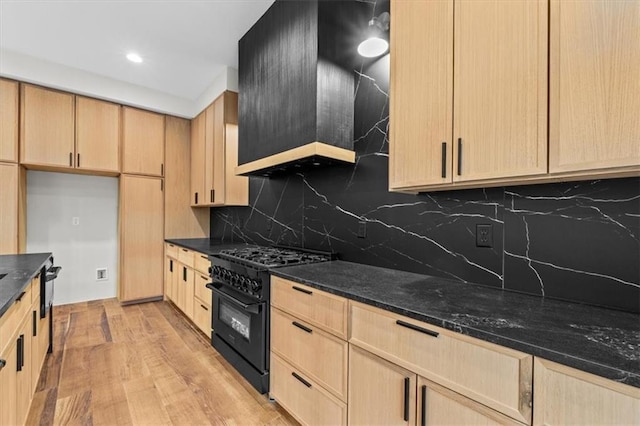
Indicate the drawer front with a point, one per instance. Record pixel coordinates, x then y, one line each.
308 403
172 250
202 316
201 291
202 263
186 256
13 317
317 354
490 374
317 307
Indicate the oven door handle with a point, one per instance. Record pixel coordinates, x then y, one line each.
52 273
253 308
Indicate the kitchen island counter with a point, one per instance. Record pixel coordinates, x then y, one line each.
20 269
600 341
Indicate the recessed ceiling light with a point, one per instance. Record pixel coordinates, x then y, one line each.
134 57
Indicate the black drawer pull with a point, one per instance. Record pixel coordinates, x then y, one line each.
444 160
78 165
304 382
35 324
302 327
204 307
459 156
184 274
170 265
204 257
196 195
407 384
19 298
416 328
204 278
423 409
302 290
20 352
185 250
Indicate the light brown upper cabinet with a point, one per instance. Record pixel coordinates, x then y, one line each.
47 125
468 92
594 96
9 120
215 159
142 142
97 135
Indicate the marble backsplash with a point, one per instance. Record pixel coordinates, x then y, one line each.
576 241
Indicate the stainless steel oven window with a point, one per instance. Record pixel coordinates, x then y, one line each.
235 319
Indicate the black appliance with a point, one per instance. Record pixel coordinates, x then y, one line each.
240 318
48 273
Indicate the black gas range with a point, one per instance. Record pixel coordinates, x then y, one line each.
240 307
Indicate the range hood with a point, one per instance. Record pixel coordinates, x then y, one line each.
296 86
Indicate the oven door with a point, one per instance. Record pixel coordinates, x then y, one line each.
242 323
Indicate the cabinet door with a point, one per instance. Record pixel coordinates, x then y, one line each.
142 142
500 96
421 93
8 120
438 405
594 96
23 380
35 344
212 159
97 135
380 393
141 237
198 160
564 395
47 126
217 155
9 208
8 385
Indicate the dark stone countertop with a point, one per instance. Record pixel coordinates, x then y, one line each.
204 245
20 270
601 341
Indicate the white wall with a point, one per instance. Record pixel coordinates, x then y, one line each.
53 200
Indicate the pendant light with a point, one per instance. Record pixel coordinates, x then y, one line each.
375 43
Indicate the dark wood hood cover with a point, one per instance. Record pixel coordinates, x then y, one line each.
296 85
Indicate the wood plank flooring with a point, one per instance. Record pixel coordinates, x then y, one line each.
141 365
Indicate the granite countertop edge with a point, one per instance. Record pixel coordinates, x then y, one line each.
24 280
570 360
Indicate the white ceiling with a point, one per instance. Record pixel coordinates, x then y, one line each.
186 45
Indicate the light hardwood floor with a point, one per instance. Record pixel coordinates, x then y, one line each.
141 364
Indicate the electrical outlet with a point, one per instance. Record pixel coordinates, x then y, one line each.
484 235
362 229
101 274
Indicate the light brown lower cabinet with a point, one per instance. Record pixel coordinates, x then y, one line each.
304 399
380 392
8 385
564 395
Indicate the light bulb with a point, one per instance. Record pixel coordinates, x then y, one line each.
372 47
134 57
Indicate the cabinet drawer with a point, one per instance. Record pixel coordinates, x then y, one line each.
186 257
202 316
201 291
317 307
10 321
490 374
202 263
317 354
308 403
172 250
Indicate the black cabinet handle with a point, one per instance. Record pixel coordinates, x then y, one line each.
423 409
204 257
185 250
35 324
304 382
78 164
196 198
407 384
302 327
444 159
3 362
204 307
170 265
20 345
416 328
162 169
19 298
302 290
184 274
71 159
459 156
212 192
204 278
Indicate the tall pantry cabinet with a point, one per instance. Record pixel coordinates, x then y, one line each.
10 174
